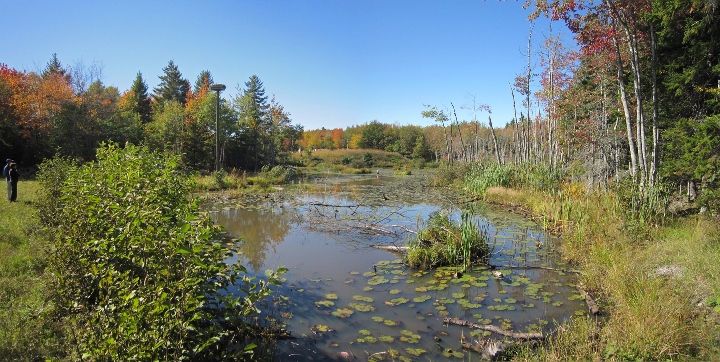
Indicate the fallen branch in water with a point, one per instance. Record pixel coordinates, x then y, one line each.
592 306
392 248
494 329
534 267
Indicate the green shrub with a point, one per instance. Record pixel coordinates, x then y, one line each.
139 276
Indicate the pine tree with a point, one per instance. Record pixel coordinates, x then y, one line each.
204 76
141 100
54 67
253 104
172 85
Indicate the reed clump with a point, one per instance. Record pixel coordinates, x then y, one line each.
442 242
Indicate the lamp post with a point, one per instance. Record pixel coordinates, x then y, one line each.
217 88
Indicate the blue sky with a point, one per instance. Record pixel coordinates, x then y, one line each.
331 63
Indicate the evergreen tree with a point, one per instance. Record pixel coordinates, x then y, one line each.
204 76
54 67
141 100
172 85
253 105
254 124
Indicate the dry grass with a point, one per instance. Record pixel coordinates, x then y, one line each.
647 316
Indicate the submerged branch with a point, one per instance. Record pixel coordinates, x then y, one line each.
494 329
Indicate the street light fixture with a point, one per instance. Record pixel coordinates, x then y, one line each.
217 88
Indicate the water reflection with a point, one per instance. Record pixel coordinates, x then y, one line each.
262 229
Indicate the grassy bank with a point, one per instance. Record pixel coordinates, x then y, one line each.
657 283
26 331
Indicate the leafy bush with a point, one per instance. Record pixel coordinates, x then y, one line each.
138 274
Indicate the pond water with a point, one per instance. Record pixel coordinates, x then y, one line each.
344 299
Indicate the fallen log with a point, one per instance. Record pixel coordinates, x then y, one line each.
392 248
592 306
533 267
494 329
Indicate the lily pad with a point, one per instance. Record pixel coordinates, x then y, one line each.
409 337
386 339
458 295
422 298
391 323
378 319
362 307
396 301
321 328
378 279
415 351
365 332
331 296
363 298
343 312
395 291
325 303
367 289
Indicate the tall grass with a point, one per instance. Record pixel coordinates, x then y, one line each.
442 242
649 315
534 177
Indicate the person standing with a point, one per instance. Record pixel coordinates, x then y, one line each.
14 178
6 174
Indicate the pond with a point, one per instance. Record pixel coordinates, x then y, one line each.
345 299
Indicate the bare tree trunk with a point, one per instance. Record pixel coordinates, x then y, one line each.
516 131
626 109
462 142
495 142
656 128
527 99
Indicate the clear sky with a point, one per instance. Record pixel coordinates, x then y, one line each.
330 63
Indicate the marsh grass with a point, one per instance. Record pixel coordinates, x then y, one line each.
648 315
442 243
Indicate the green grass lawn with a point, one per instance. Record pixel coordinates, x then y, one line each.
26 330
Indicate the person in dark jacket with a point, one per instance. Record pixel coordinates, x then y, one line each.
6 175
14 178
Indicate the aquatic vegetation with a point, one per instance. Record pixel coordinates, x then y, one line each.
395 291
325 303
363 298
331 296
443 242
378 279
364 332
415 351
343 312
409 337
396 301
391 323
321 328
386 339
422 298
362 307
